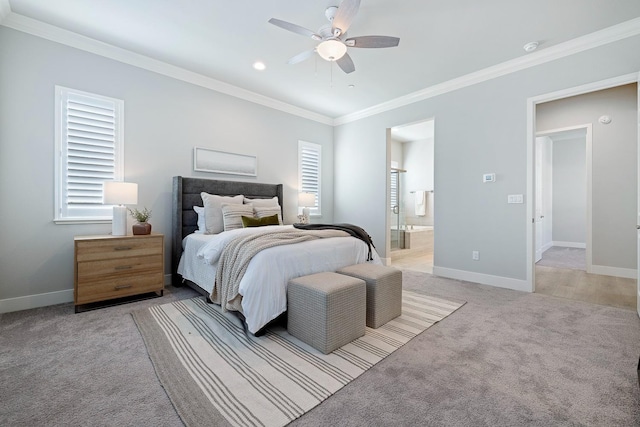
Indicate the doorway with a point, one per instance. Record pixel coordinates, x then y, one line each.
410 210
586 192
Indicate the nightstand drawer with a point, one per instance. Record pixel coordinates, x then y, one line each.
91 250
119 287
91 271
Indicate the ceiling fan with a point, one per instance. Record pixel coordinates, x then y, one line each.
333 37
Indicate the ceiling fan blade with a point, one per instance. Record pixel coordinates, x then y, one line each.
346 64
294 28
344 16
372 41
301 56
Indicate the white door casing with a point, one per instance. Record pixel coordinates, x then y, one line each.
638 202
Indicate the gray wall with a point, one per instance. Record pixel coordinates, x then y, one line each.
569 191
164 120
480 129
614 171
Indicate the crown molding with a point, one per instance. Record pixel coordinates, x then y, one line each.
40 29
608 35
69 38
5 10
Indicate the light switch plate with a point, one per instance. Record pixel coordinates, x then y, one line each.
488 177
515 198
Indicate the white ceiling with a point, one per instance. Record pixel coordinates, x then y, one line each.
439 40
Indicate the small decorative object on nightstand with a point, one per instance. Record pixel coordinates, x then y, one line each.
306 200
142 226
109 267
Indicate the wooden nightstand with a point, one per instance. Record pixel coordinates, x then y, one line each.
108 267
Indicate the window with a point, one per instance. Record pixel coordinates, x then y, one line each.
309 172
89 151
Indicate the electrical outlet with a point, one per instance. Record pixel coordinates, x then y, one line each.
475 255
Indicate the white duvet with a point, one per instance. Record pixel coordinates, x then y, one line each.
264 285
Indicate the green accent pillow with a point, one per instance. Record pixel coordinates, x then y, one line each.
259 222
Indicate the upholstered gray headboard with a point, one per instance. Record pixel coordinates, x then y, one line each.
186 195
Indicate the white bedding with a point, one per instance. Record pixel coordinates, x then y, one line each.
264 285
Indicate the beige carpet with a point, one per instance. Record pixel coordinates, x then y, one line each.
216 374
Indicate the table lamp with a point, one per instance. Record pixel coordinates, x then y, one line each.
118 194
306 200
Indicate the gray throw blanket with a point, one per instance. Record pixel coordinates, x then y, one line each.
353 230
235 259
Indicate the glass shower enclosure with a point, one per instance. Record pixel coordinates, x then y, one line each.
397 210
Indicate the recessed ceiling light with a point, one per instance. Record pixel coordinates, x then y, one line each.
530 47
259 65
351 86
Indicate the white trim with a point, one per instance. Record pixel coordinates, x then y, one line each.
386 261
578 245
605 270
5 10
546 247
58 35
34 301
531 137
484 279
608 35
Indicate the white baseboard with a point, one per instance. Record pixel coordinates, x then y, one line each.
605 270
386 261
34 301
570 244
485 279
42 300
546 246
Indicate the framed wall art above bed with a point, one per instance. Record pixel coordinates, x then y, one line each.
206 160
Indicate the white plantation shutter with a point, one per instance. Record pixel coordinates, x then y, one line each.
89 145
394 189
309 171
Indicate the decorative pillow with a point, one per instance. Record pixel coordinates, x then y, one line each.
200 211
259 222
232 215
263 202
261 212
213 210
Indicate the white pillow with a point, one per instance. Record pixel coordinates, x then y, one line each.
264 211
263 202
213 210
232 215
200 211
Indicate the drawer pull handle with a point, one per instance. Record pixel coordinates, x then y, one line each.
122 287
123 267
122 248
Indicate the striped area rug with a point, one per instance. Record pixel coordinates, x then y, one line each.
216 374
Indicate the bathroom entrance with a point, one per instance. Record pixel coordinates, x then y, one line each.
411 195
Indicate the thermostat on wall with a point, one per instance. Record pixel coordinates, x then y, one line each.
489 177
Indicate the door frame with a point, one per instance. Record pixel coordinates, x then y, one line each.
531 137
389 139
588 127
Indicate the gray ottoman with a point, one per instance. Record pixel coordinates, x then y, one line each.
326 310
384 291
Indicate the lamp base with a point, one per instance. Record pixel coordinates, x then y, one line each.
119 222
305 215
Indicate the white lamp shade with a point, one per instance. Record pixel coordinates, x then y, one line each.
331 50
306 199
119 193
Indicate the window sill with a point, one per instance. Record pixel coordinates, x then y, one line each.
72 221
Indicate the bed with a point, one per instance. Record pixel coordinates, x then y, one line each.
263 285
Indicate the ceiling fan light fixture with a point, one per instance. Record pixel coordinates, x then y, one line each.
331 50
